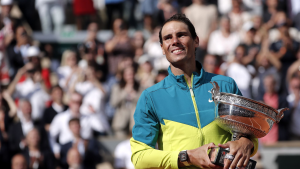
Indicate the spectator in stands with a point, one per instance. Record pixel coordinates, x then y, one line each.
60 124
92 40
51 9
223 42
7 114
19 130
149 10
119 46
293 10
34 56
161 75
56 107
6 6
17 53
89 86
18 162
270 12
83 9
294 68
9 108
138 44
252 48
284 49
271 98
204 18
32 89
4 144
242 74
68 70
93 54
113 6
293 100
266 64
74 159
36 157
88 149
145 74
238 16
153 50
210 63
93 95
7 23
123 154
167 8
124 98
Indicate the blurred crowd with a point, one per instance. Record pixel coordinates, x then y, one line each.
54 107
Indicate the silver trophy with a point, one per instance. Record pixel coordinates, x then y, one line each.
242 117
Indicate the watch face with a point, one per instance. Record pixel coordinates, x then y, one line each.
183 156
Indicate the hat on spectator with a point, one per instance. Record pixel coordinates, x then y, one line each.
33 51
249 26
143 59
6 2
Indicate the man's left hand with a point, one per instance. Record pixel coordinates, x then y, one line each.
241 150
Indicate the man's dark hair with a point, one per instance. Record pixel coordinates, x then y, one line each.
77 120
180 18
55 87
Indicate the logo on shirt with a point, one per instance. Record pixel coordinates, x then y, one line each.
209 100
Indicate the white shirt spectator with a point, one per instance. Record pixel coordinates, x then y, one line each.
93 102
123 155
63 73
60 127
295 5
92 98
223 46
35 94
242 77
154 52
57 108
27 126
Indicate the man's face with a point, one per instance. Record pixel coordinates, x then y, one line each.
5 9
26 108
57 94
75 103
21 35
33 138
18 162
75 128
177 42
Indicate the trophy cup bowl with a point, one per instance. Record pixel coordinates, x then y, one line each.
242 117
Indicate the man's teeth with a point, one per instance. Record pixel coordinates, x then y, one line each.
176 51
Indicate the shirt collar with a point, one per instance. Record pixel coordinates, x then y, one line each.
180 80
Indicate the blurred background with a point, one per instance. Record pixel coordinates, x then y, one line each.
71 72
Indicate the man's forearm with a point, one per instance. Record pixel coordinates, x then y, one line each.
144 156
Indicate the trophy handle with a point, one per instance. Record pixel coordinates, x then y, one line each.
280 114
215 91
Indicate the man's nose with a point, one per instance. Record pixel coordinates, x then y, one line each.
175 40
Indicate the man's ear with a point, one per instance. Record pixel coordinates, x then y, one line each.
162 49
196 41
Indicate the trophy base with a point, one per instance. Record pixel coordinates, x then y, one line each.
217 156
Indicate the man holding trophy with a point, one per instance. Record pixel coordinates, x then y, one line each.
178 113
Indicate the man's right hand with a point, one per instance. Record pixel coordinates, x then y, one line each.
199 157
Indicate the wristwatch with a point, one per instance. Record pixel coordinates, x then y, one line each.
184 158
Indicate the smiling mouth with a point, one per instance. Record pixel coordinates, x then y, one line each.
177 51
